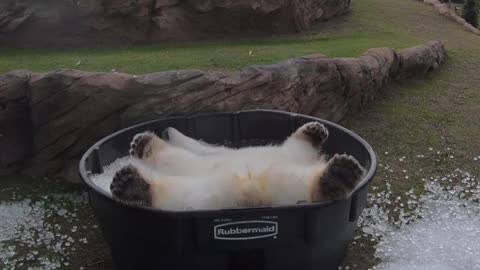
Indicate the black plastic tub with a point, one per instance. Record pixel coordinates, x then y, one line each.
303 236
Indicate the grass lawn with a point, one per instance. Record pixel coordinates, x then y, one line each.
439 112
198 55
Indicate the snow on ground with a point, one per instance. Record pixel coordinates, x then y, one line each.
437 228
41 233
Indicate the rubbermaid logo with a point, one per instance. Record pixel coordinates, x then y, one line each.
246 230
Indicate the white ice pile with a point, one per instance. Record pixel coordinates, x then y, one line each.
40 233
438 230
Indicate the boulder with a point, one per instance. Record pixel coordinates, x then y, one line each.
421 59
80 23
15 128
165 3
12 16
364 76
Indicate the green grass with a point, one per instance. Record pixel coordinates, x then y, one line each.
196 55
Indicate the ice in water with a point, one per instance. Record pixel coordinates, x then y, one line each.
104 179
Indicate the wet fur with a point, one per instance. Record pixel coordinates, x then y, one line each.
179 173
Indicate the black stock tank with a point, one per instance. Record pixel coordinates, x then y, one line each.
302 236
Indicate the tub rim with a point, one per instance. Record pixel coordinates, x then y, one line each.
366 180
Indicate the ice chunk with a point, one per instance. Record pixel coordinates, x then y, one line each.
105 179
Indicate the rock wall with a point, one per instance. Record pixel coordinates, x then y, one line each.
47 23
50 119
